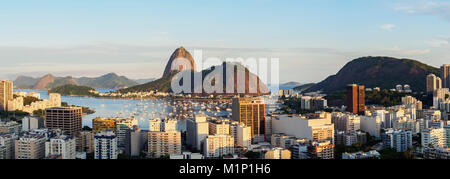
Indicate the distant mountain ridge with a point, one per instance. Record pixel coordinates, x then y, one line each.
109 81
289 85
143 81
383 72
304 87
25 82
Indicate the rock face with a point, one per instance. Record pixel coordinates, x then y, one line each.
383 72
44 82
174 65
252 86
164 84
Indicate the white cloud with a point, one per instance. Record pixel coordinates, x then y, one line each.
388 27
422 7
441 42
408 52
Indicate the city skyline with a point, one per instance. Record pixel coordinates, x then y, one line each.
136 38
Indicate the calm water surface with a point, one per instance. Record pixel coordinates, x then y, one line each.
143 110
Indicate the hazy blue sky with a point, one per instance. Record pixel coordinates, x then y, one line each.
313 39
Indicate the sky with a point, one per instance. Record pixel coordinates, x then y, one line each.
313 39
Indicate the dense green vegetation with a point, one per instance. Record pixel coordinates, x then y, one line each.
39 112
5 114
162 85
393 154
86 128
30 99
384 97
291 104
27 100
336 96
253 155
304 87
122 156
90 156
371 141
73 90
85 110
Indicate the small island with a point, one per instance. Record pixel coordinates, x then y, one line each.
74 90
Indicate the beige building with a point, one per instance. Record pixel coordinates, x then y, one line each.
55 99
68 119
434 137
409 100
63 146
85 142
218 146
436 153
110 124
34 95
100 124
433 83
170 125
316 126
197 130
162 144
18 103
30 147
278 153
243 135
347 122
155 125
10 127
251 112
322 150
7 143
6 94
219 128
372 125
15 104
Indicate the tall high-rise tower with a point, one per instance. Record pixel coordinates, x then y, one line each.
445 75
356 99
6 94
251 112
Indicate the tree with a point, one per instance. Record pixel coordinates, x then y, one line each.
408 154
165 157
142 155
39 112
90 156
87 128
122 157
252 155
